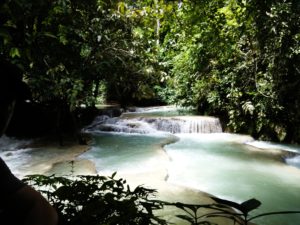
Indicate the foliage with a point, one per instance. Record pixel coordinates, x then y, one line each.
97 200
106 200
69 50
70 47
238 60
241 215
237 212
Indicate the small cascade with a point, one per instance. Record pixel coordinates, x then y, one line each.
294 161
199 124
11 144
120 125
186 124
202 124
144 125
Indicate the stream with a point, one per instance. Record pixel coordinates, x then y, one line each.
190 151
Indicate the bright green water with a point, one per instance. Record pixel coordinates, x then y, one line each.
219 164
215 163
128 153
236 172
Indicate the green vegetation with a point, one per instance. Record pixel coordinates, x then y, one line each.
236 59
239 59
89 200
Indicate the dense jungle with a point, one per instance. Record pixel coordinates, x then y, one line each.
235 59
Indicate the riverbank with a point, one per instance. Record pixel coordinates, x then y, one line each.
173 193
64 160
48 157
45 156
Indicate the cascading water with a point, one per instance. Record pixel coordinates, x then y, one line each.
12 150
195 154
181 124
293 160
203 158
143 125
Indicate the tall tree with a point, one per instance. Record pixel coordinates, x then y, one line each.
238 60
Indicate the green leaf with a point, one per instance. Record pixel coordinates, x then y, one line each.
250 205
5 34
244 207
14 52
186 218
228 203
113 175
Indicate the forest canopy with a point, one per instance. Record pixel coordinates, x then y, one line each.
236 59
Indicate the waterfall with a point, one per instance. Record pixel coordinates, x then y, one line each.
188 124
143 125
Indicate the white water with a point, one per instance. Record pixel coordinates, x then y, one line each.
295 161
238 172
150 124
15 153
24 160
229 166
